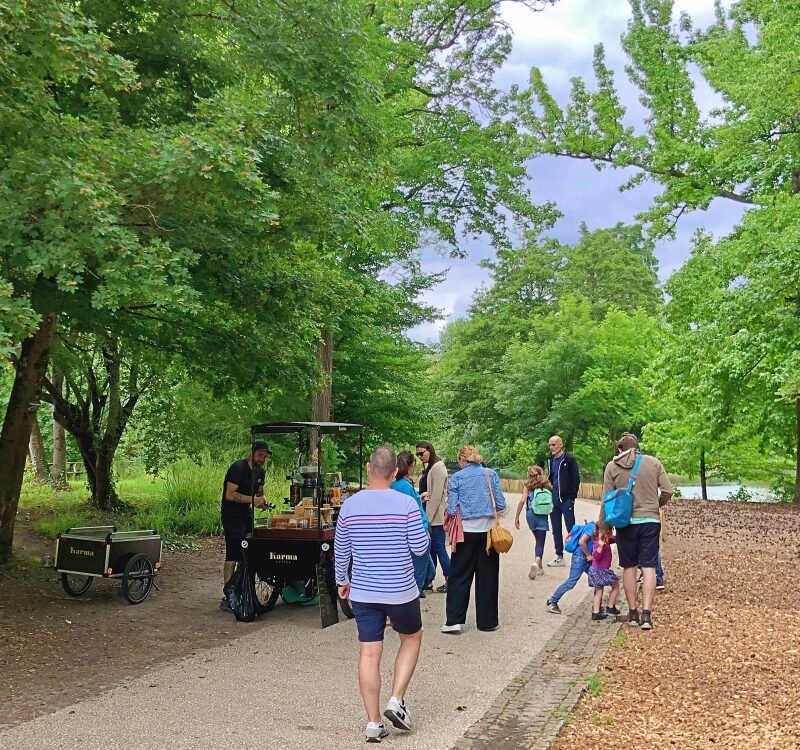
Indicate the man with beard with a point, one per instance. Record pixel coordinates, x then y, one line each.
244 487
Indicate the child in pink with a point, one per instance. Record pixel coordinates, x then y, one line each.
600 574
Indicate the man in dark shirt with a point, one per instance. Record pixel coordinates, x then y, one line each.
565 477
244 486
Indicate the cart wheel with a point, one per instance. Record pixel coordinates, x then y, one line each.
347 610
137 579
267 592
75 585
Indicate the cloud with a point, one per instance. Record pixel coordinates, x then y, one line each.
560 41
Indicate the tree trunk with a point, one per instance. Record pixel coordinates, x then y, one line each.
58 474
30 370
321 402
703 483
797 453
97 421
41 472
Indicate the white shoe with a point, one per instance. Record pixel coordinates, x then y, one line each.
452 629
397 712
375 732
532 572
556 562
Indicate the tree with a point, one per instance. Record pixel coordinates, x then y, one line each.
744 151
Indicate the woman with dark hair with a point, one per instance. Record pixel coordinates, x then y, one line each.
424 571
433 488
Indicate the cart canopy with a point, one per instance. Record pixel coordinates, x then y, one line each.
287 428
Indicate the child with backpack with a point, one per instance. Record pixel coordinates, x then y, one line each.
579 544
538 504
600 573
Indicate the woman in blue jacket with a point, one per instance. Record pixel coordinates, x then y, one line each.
470 492
424 571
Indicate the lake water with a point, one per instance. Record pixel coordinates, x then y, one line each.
721 492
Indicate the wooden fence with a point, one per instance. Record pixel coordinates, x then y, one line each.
585 491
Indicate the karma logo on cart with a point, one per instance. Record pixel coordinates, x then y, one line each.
84 552
282 558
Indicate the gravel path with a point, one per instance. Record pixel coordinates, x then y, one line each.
294 684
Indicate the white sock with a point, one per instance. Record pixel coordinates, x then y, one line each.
374 724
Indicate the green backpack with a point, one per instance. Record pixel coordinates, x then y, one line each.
542 502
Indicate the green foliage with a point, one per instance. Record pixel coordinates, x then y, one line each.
559 344
741 495
735 308
595 685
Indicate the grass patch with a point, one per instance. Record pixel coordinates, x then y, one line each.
595 685
619 640
183 503
564 714
602 720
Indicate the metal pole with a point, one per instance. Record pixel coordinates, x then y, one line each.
361 459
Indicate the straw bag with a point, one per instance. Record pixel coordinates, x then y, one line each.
497 537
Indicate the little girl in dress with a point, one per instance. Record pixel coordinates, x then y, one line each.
600 574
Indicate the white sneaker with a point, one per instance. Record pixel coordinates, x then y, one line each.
398 714
532 572
375 732
556 562
452 629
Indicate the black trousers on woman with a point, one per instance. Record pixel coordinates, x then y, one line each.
468 561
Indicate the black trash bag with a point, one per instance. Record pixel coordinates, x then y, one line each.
240 593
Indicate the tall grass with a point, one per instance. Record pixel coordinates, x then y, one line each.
185 501
189 500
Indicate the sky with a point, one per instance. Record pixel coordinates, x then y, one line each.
560 41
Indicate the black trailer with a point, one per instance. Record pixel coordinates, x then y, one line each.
299 555
87 552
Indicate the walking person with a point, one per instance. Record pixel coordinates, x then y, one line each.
638 542
538 503
565 477
433 490
424 572
474 492
379 529
600 573
580 564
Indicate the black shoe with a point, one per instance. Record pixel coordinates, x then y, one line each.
612 611
422 594
442 589
224 606
646 620
428 587
553 607
633 617
599 615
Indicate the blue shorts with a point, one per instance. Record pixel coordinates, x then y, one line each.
371 619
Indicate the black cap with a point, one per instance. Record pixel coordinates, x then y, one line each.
260 445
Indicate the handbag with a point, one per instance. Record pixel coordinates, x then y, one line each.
497 538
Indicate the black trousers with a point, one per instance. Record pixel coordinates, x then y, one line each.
470 560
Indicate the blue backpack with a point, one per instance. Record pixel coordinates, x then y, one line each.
618 504
572 542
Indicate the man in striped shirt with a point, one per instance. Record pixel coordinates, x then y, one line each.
378 530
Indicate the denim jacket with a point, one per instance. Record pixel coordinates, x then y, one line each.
469 490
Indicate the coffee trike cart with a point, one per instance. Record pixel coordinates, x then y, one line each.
291 551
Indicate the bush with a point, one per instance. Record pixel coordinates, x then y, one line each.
741 495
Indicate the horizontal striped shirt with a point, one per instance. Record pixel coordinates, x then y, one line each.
379 530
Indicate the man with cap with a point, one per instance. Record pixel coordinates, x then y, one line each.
244 486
